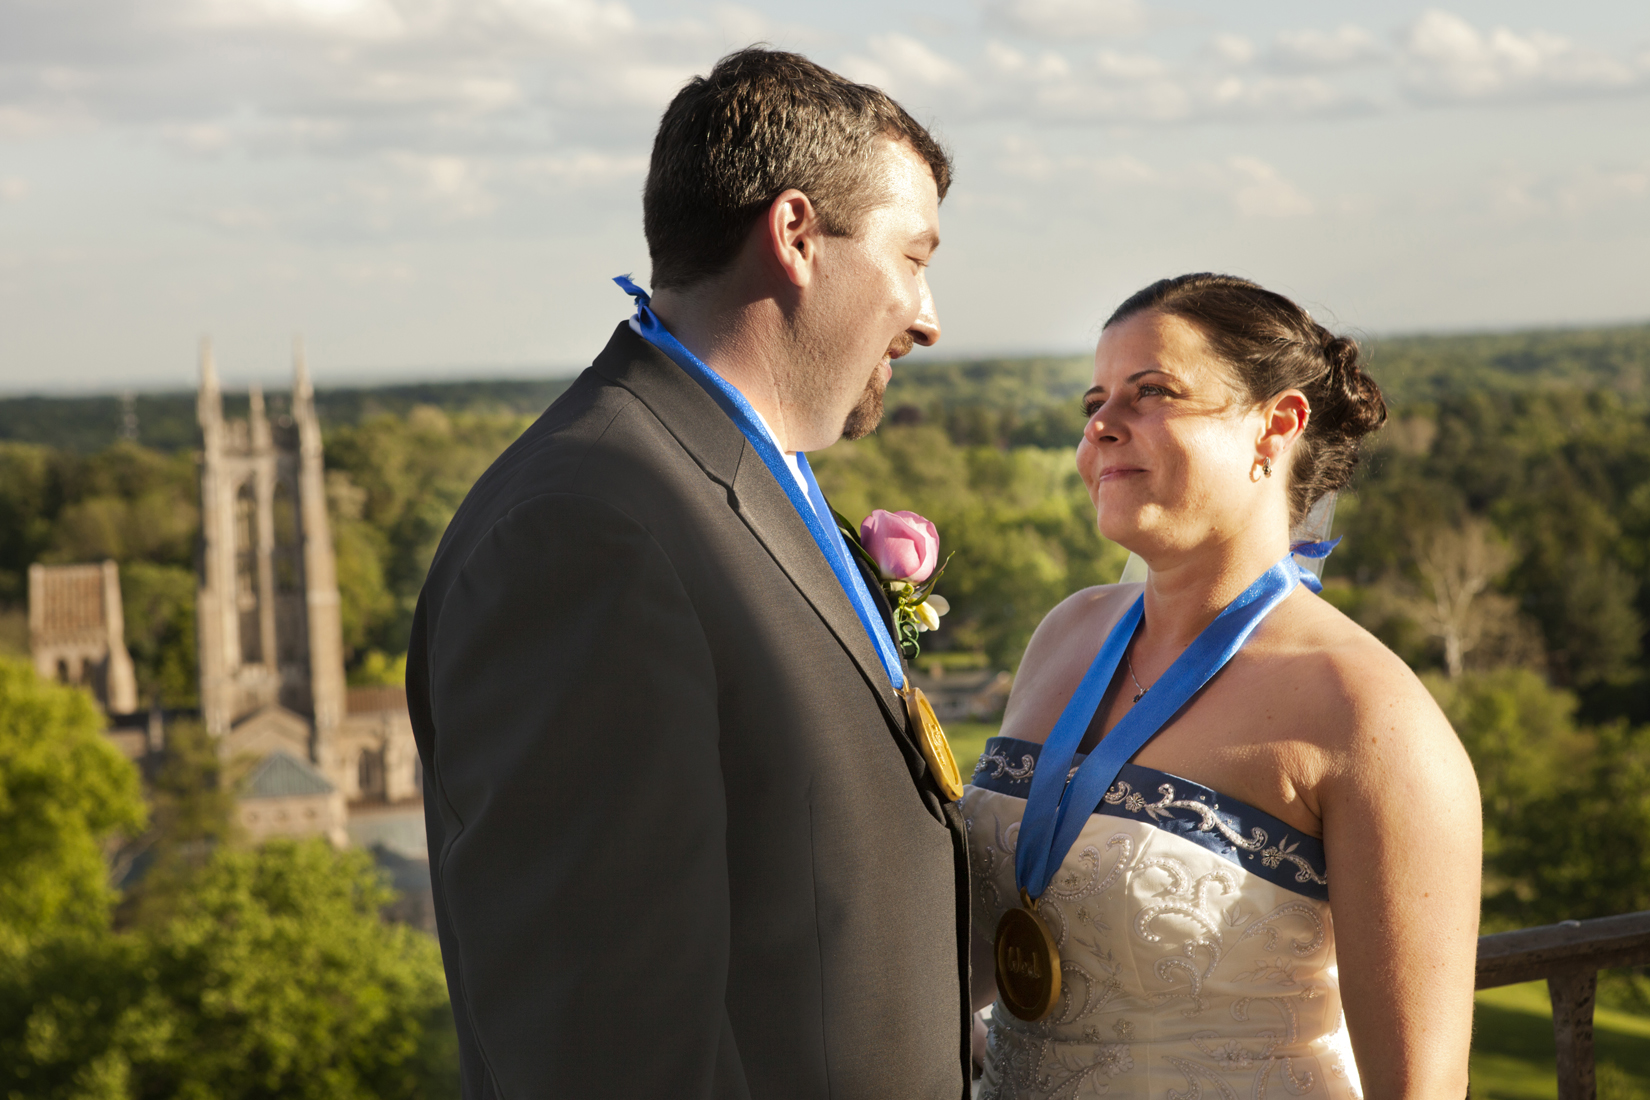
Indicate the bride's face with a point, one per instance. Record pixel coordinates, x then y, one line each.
1169 453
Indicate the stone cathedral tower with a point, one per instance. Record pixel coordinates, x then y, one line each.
271 649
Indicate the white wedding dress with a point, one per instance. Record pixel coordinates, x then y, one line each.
1197 951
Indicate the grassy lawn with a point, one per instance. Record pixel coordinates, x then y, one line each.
968 741
1512 1048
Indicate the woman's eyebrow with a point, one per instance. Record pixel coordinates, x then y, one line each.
1135 377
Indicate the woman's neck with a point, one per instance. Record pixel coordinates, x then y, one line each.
1185 592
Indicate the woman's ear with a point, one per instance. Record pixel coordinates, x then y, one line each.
1283 421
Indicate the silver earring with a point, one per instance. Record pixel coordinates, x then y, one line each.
1266 466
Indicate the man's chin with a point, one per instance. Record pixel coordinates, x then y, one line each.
866 414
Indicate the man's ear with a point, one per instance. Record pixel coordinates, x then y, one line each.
1283 421
791 235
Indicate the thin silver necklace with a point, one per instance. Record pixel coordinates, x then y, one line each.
1141 694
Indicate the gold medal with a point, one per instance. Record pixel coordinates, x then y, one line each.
935 748
1028 962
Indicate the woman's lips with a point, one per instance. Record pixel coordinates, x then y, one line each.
1111 473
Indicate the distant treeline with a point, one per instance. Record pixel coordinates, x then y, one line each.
1004 401
166 421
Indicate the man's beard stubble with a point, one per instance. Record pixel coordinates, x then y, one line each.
866 414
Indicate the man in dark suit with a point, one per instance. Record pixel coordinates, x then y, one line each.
683 840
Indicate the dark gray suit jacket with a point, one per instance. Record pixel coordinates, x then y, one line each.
681 841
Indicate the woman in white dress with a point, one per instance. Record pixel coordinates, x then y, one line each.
1278 893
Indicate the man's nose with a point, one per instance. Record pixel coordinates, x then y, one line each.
925 330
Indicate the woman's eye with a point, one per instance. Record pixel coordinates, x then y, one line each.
1150 390
1091 405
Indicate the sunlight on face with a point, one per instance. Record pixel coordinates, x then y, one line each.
871 303
1170 446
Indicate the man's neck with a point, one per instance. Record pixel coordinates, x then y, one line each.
734 336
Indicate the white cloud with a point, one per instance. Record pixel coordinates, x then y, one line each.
1137 87
1026 158
1066 19
1446 58
1234 49
902 64
351 18
1253 188
1579 192
1314 50
13 188
581 22
587 168
1300 73
378 272
742 24
452 184
241 217
1258 190
1130 68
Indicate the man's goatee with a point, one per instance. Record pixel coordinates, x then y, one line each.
866 414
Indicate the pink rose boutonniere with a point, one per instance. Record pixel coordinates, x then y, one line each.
903 549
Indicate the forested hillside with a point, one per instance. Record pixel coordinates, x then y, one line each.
1498 538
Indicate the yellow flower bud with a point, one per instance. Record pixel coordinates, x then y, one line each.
927 617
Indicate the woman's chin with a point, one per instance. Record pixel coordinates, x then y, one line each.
1122 530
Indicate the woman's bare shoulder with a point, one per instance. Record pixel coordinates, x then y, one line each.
1368 704
1084 616
1060 651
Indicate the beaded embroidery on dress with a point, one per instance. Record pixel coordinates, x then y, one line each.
1197 951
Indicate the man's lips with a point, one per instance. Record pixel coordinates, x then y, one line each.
898 349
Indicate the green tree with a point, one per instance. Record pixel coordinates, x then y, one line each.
406 476
1566 807
158 603
367 606
192 816
279 979
27 501
65 794
128 503
287 983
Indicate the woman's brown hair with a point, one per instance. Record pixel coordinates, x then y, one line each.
1273 345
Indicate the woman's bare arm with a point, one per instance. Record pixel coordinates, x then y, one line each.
1403 838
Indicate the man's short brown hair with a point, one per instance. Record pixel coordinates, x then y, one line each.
761 123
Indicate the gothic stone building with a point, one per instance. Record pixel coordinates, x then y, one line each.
271 648
77 631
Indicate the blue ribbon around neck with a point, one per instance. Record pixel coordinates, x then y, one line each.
1056 809
813 509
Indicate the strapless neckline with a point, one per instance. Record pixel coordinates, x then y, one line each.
1246 836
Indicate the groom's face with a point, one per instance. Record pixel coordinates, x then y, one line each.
871 302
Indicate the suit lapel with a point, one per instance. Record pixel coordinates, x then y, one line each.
720 449
768 512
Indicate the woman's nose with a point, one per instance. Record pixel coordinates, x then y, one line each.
1104 426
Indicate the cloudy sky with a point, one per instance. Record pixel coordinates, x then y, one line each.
441 188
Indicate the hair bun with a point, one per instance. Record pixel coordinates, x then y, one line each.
1361 407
